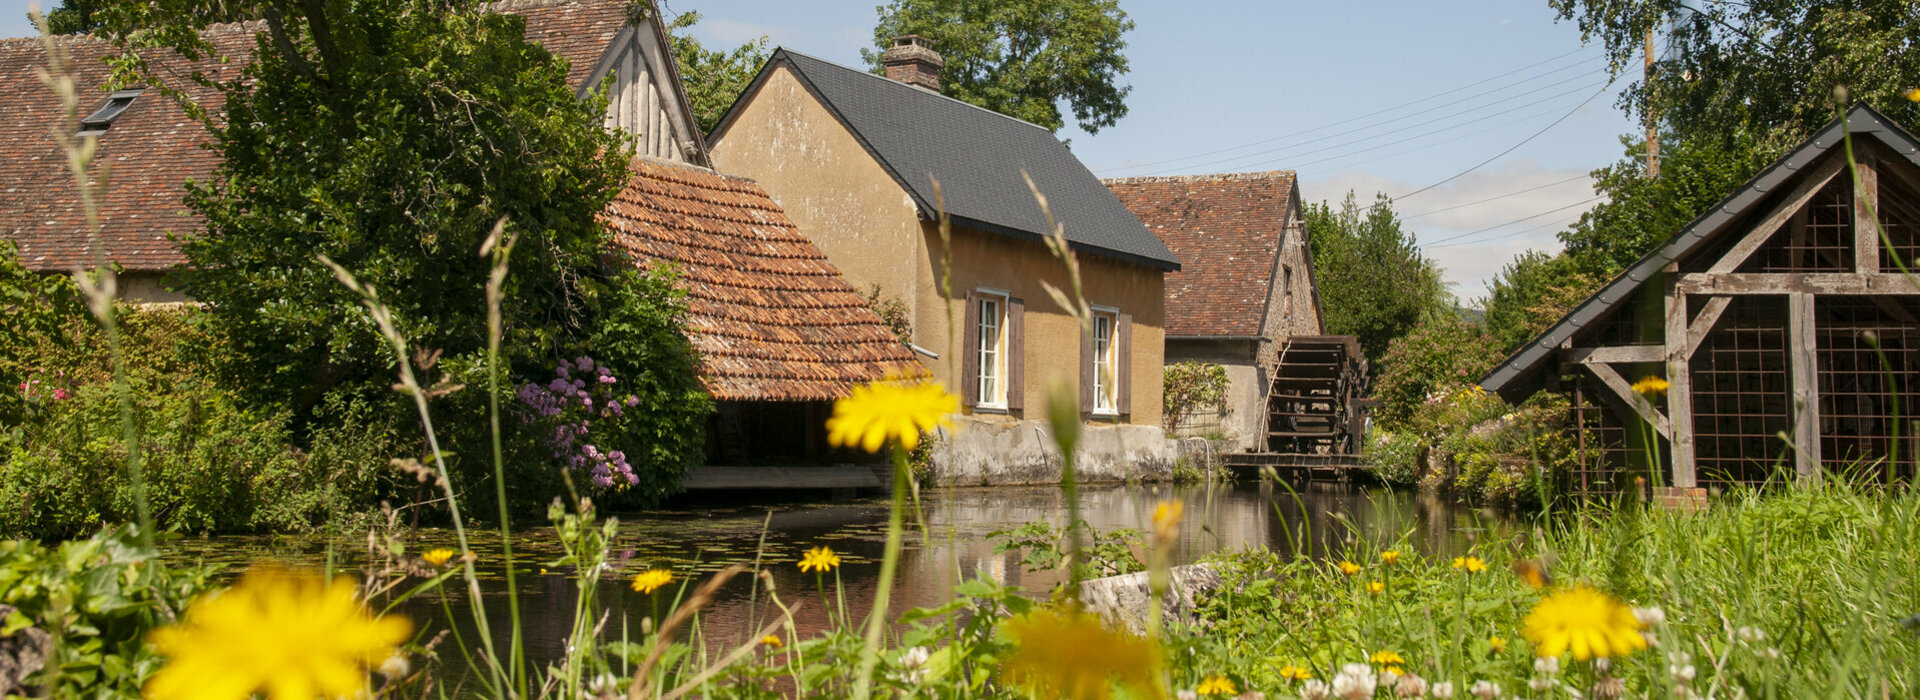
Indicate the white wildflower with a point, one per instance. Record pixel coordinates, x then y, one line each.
1410 686
1443 690
1314 689
1355 682
1651 616
1683 674
396 666
1485 690
1751 634
1387 678
1540 684
1547 665
1770 654
1186 695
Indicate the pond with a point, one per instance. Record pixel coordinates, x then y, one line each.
695 538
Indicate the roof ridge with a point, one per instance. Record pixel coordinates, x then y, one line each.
220 29
511 5
1204 177
890 81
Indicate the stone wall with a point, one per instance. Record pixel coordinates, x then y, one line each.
987 452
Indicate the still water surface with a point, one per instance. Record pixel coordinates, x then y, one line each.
695 539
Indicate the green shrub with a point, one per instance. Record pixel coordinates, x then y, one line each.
1397 456
1440 355
1190 386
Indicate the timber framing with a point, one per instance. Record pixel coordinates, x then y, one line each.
1783 311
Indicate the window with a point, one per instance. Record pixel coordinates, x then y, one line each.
1286 290
993 351
1105 378
102 118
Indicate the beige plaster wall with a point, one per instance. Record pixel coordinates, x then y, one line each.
1052 342
828 184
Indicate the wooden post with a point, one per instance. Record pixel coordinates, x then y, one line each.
1866 203
1653 123
1803 374
1679 387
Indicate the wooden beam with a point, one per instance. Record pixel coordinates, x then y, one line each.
1616 353
1703 323
1803 376
1797 282
1622 394
1795 200
1679 354
1866 203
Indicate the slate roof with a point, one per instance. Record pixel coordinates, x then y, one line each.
1520 373
976 154
1228 230
771 318
154 147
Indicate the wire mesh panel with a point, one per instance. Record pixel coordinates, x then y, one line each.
1867 393
1817 239
1741 399
1900 220
1599 468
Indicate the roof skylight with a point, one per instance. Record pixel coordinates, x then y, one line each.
102 118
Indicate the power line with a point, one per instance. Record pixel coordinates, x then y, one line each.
1422 135
1582 176
1510 149
1447 241
1490 127
1396 108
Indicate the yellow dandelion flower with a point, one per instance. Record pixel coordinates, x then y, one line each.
895 408
1651 387
290 635
1585 621
773 641
819 558
1376 587
651 580
1387 658
1497 643
1216 685
437 557
1085 669
1349 568
1167 515
1472 565
1295 673
1390 556
1913 95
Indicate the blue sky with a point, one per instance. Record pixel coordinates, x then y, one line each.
1373 96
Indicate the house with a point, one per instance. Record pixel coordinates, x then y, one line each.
870 166
1245 285
152 147
780 334
1781 311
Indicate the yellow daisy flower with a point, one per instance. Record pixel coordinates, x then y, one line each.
773 641
895 408
1376 587
1167 515
1913 95
1651 387
819 558
651 580
1216 685
1585 621
1498 643
1084 669
1387 658
288 635
437 557
1349 568
1390 556
1295 673
1472 565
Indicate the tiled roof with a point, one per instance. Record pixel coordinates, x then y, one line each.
154 147
770 317
977 155
1227 230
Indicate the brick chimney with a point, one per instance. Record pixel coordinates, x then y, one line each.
913 61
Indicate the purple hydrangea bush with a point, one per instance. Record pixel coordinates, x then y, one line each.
579 400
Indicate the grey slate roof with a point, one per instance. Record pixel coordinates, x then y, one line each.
1521 371
978 156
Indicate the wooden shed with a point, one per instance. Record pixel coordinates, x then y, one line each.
1783 310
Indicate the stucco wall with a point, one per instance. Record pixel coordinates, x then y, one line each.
831 188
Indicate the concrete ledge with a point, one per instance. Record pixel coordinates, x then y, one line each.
994 451
840 476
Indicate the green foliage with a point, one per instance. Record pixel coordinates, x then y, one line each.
1641 212
1439 357
1189 386
1044 548
892 311
714 79
1021 58
1531 294
94 600
34 308
638 335
392 142
1374 282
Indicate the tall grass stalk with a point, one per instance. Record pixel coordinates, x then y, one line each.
501 250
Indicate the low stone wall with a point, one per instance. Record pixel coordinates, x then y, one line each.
989 452
1123 600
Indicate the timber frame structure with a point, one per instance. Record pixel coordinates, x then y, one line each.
1784 310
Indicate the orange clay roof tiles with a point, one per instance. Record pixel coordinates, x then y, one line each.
770 317
1227 231
153 148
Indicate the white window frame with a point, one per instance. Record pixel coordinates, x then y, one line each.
992 351
1106 363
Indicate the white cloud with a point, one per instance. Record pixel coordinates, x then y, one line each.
1488 216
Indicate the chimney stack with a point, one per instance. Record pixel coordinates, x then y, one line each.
913 61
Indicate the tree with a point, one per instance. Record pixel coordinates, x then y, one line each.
1640 212
1374 283
714 79
1532 293
1021 58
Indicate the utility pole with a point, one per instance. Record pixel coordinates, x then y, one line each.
1653 123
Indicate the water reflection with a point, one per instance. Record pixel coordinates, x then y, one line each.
695 541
